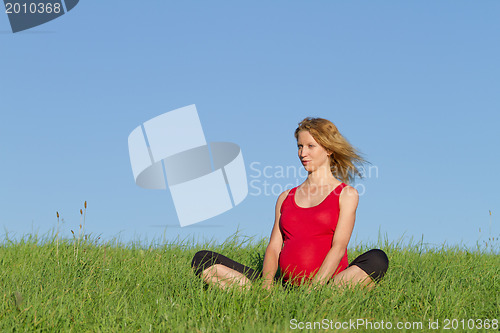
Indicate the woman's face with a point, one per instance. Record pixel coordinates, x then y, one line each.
311 154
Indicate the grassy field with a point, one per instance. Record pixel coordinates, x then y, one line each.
85 285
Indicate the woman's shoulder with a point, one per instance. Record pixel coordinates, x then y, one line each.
348 190
284 194
281 198
349 195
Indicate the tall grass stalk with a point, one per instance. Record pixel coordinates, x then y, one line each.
57 237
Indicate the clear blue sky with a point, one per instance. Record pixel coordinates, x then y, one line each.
414 85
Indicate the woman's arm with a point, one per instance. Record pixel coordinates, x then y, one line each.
348 203
274 248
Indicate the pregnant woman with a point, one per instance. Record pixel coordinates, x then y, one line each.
313 223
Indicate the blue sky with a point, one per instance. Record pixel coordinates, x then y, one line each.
413 85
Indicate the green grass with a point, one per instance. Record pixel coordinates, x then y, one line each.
79 286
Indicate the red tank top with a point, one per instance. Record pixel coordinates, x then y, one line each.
307 236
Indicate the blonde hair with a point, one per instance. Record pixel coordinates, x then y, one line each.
344 158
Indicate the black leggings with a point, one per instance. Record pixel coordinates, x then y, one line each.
373 262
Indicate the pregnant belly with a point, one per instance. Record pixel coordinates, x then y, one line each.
302 259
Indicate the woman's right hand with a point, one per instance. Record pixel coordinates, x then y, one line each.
267 285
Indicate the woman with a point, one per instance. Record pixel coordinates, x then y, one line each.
313 223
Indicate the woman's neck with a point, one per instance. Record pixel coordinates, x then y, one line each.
320 177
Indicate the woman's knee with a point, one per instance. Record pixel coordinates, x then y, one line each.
380 263
381 259
374 262
202 260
